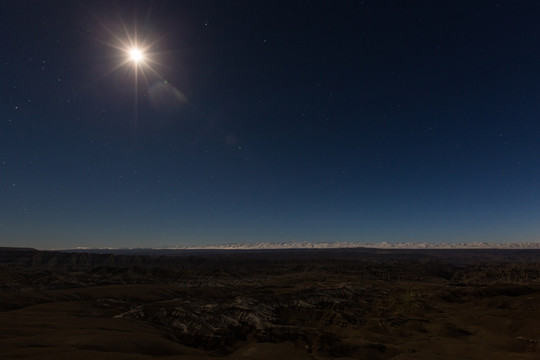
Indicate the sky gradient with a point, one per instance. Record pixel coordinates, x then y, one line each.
269 121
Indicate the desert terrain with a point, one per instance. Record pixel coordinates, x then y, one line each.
271 304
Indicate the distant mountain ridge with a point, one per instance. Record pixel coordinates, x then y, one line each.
336 245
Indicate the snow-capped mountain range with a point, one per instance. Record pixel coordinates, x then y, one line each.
380 245
343 244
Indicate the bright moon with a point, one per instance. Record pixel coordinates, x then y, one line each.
135 55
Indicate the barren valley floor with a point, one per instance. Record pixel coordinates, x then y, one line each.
294 304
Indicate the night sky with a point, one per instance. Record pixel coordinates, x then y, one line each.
260 121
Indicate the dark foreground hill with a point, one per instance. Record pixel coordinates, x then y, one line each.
294 304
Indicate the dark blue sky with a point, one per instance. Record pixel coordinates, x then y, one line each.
269 121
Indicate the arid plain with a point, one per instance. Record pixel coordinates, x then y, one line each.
294 304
